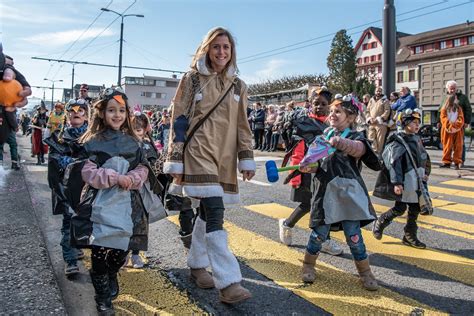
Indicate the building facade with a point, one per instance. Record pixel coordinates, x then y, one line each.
369 51
93 92
425 62
152 93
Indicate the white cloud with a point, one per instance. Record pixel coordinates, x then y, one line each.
272 69
18 15
65 37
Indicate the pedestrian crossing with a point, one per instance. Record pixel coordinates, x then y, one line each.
456 267
460 183
337 290
334 290
451 192
436 223
149 292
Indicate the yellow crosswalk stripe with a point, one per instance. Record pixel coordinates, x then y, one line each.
455 267
452 192
148 292
448 206
334 290
439 224
460 183
453 206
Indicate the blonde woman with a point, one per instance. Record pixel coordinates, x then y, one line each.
209 133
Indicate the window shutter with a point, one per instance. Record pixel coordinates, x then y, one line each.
416 74
405 75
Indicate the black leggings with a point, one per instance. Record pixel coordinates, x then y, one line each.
211 210
298 213
186 221
107 260
413 211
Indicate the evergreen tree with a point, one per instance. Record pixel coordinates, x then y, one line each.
342 63
364 85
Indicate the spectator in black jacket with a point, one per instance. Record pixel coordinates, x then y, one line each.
258 120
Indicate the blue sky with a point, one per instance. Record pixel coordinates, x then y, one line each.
171 30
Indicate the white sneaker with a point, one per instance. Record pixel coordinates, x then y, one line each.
331 247
286 233
137 262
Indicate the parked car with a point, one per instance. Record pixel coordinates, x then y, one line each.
430 136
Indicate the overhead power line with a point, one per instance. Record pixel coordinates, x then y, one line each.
77 39
106 65
105 29
277 51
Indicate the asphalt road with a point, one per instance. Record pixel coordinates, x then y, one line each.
439 279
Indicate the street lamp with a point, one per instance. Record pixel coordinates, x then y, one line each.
52 90
121 39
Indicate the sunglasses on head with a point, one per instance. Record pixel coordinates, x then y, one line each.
116 93
78 102
112 91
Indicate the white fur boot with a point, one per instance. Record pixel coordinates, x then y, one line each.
225 269
198 260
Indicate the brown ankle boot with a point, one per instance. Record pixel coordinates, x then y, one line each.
308 272
366 276
202 278
234 293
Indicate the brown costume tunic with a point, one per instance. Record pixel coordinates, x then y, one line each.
210 158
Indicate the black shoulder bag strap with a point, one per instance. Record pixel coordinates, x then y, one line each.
425 200
199 124
196 127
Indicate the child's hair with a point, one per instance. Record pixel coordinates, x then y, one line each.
97 122
140 120
452 102
349 108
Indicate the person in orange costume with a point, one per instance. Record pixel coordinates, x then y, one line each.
452 133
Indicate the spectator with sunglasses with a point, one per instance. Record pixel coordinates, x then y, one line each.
62 144
84 93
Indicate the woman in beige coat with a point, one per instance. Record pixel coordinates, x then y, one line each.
203 153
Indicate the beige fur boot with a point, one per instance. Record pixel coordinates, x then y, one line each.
366 277
308 271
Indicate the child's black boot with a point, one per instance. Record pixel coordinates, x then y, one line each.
382 222
103 299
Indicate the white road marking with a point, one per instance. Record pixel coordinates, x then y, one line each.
262 158
265 184
3 175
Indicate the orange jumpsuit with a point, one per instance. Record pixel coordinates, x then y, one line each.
452 135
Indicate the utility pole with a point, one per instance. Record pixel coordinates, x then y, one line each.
119 80
52 90
72 82
389 42
121 39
